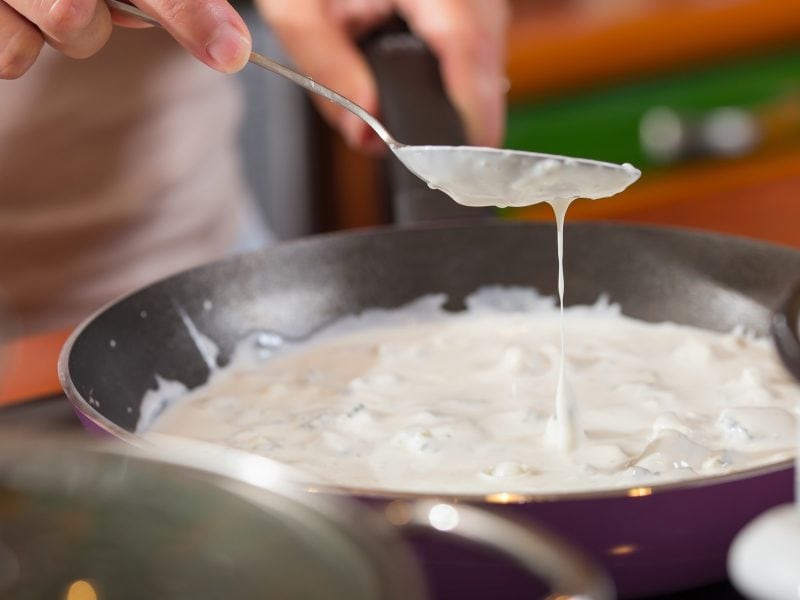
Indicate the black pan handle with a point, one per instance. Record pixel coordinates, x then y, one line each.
786 331
415 110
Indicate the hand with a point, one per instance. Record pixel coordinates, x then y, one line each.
209 29
468 36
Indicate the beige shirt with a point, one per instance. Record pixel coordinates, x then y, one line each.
114 171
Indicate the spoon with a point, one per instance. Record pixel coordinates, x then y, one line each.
471 175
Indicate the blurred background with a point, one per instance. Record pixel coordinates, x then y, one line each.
702 95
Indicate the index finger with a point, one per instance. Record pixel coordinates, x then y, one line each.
210 29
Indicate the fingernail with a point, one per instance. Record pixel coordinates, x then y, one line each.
229 49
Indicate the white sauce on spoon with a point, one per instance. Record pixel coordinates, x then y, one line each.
475 176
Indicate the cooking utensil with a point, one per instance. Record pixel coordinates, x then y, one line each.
202 523
81 520
471 175
304 546
651 539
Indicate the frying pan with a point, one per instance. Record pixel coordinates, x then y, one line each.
652 540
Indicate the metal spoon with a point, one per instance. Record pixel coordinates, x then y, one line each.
471 175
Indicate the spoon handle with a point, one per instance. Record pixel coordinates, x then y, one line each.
293 76
327 93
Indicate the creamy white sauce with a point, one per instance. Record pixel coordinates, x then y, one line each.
418 399
158 400
564 429
205 345
475 176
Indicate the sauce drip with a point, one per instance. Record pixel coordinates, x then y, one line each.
564 430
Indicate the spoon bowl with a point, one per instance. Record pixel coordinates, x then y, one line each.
477 176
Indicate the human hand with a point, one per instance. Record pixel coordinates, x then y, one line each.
209 29
468 37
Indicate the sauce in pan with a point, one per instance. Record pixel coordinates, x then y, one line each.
419 399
